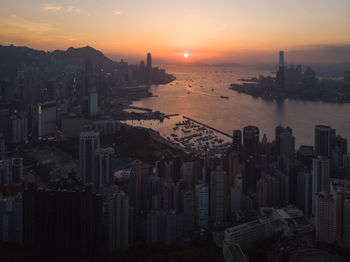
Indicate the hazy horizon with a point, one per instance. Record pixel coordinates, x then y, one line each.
210 32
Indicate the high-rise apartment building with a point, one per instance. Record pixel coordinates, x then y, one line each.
88 145
324 218
202 205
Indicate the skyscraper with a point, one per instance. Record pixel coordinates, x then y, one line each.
188 203
93 104
320 177
281 59
17 169
11 219
280 78
2 146
149 62
304 192
339 150
287 145
278 131
346 220
89 143
324 218
118 219
218 195
20 128
104 158
135 186
202 205
5 172
324 138
251 141
233 168
237 140
339 195
149 67
170 227
47 118
346 163
321 173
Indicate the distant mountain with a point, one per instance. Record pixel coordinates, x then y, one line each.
79 56
13 57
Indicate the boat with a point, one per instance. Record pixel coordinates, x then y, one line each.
226 97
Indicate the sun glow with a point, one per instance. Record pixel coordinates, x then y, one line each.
185 55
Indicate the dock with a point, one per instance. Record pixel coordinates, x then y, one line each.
168 116
140 108
212 128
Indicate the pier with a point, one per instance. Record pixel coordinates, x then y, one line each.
212 128
140 108
168 116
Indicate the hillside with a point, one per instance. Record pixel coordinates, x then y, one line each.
12 57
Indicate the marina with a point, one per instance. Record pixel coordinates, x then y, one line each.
191 135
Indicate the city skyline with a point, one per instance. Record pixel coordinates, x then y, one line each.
224 31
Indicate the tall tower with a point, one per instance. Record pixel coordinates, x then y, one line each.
281 60
280 74
149 66
89 143
149 62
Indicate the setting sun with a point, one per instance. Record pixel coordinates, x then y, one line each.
185 55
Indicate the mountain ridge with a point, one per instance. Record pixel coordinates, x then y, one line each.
13 57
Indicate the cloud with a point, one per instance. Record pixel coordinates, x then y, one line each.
70 8
73 39
14 25
51 7
56 8
117 12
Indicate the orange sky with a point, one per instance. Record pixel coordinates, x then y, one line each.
208 30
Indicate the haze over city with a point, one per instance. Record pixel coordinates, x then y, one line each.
248 32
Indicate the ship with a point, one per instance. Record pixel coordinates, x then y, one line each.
226 97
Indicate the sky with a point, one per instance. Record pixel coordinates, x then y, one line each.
208 30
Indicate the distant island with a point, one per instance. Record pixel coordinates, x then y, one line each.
294 83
